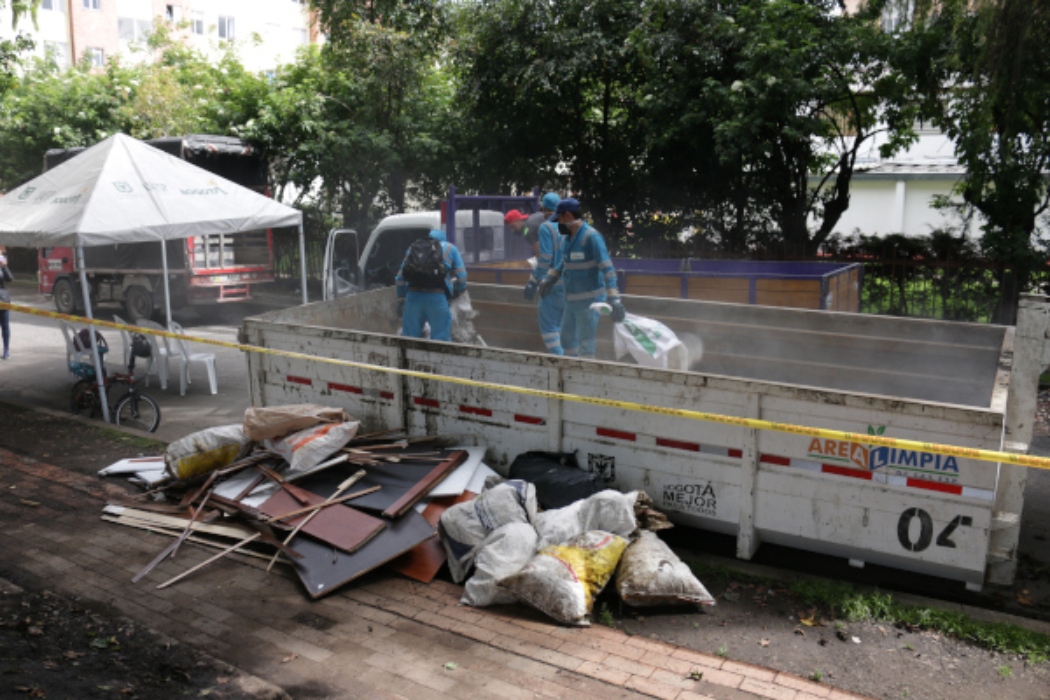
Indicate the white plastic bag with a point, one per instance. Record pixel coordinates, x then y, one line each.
463 313
650 343
503 553
464 526
307 448
610 511
563 580
650 573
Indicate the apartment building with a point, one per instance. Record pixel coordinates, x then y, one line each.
264 33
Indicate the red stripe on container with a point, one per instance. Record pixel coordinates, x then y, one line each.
430 403
345 387
475 410
935 486
773 459
618 434
736 453
678 444
300 380
845 471
531 420
389 395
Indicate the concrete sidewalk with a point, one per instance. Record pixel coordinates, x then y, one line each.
381 637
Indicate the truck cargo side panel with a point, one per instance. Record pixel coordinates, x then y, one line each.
911 510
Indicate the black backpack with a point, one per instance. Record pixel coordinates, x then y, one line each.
424 266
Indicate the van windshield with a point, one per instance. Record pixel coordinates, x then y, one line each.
387 254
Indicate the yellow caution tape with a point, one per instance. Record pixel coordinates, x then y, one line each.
752 423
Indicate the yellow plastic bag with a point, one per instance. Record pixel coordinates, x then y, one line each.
562 580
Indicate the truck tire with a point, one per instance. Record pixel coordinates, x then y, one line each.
138 302
65 296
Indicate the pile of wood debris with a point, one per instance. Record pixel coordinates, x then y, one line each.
375 501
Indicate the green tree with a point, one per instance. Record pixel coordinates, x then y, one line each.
356 125
180 92
11 50
549 94
984 66
809 87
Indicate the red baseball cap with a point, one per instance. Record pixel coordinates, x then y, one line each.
512 216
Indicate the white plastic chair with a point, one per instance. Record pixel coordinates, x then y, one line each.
186 358
152 364
72 354
161 350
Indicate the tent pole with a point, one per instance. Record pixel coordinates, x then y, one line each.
167 291
91 330
302 261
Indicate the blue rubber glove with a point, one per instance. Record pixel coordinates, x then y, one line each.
530 289
618 312
548 284
400 308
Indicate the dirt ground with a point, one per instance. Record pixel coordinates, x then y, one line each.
50 647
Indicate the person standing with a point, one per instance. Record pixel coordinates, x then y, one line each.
589 278
552 306
5 296
431 274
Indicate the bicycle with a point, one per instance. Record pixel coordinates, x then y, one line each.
133 409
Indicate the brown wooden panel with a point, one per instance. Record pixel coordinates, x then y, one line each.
422 562
482 276
805 286
731 296
794 300
669 286
338 525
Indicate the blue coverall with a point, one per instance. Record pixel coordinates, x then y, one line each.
589 277
552 306
431 305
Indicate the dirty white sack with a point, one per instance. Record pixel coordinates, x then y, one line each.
607 510
206 450
307 448
563 580
504 552
464 526
650 343
650 573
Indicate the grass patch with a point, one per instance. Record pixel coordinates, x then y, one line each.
133 440
846 601
856 605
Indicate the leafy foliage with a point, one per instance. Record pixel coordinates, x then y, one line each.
985 71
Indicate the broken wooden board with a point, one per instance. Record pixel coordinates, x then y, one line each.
404 483
423 562
322 570
339 525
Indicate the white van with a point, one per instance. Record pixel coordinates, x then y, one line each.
350 267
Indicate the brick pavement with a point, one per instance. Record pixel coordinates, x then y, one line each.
382 637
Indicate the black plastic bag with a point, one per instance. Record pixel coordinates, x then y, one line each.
559 481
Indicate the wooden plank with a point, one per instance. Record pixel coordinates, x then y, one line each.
423 487
423 562
322 573
339 525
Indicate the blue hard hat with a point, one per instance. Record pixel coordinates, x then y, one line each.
569 204
550 201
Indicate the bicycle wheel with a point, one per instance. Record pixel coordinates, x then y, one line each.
138 411
84 398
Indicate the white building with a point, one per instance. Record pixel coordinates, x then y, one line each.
265 33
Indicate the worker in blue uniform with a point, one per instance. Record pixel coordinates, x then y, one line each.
589 278
552 306
416 306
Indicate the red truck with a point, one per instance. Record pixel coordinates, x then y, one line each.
203 270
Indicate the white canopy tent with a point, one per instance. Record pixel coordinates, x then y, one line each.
122 190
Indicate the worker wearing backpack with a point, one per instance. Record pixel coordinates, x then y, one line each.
431 274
